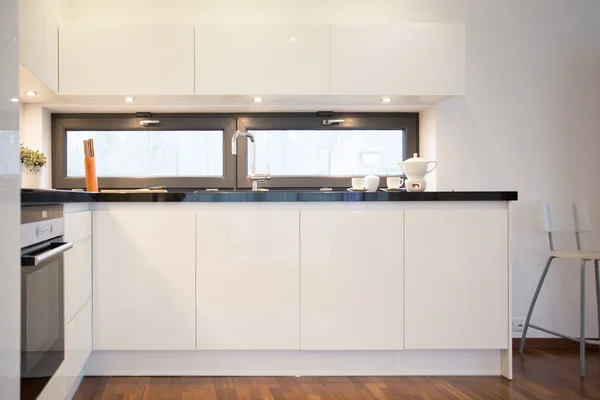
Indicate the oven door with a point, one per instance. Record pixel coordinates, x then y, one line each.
42 314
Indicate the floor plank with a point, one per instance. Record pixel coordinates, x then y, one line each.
539 374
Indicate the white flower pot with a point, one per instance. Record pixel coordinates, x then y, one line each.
31 177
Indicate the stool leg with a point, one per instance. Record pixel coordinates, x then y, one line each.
582 323
597 272
535 296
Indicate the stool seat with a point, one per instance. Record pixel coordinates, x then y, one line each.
576 254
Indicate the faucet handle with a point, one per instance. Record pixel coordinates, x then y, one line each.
261 178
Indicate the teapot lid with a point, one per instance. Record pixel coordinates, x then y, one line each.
415 158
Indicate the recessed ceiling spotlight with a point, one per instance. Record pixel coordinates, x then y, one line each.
31 93
257 99
129 99
14 100
386 100
292 39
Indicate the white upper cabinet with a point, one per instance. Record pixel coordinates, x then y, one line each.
38 39
248 280
403 59
263 59
351 279
456 279
126 59
144 280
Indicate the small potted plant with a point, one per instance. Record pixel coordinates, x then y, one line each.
32 162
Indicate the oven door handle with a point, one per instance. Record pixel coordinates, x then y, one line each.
34 261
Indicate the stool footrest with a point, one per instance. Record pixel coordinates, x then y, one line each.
539 328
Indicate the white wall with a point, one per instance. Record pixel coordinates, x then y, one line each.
10 266
529 122
36 133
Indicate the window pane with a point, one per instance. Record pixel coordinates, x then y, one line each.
148 153
328 153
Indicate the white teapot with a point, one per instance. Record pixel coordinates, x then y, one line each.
416 167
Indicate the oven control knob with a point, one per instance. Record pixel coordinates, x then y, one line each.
51 227
37 231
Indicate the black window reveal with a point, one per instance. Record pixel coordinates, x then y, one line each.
193 151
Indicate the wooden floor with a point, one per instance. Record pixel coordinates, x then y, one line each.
539 374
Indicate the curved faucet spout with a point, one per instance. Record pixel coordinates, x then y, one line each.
235 137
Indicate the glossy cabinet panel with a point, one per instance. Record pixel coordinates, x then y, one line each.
247 280
78 347
456 279
126 59
351 279
400 59
78 262
144 280
38 31
10 266
262 59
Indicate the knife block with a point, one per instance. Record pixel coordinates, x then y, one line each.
91 179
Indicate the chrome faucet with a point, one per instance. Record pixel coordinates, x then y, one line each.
254 177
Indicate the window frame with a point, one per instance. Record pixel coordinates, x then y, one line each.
61 123
408 122
235 170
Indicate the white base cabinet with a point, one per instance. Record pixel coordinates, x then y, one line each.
351 279
313 288
247 280
78 262
144 280
456 279
78 347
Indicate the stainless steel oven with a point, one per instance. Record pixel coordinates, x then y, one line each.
42 296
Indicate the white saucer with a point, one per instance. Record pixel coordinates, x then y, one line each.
356 190
393 189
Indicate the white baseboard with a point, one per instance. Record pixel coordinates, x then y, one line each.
290 363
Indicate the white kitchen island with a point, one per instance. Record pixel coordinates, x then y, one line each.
366 288
204 287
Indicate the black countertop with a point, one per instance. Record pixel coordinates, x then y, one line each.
30 197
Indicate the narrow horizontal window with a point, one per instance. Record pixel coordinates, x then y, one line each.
148 153
327 153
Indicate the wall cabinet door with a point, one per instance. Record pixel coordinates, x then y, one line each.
38 39
247 279
262 59
402 59
351 279
78 262
144 274
126 59
456 279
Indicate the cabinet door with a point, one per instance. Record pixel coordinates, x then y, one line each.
78 262
456 276
126 59
403 59
144 274
351 279
248 279
262 59
38 39
78 347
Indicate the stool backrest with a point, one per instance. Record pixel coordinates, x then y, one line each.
565 217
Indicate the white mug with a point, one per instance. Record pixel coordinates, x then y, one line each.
358 183
394 182
371 183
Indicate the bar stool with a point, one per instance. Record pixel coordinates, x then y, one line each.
567 218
